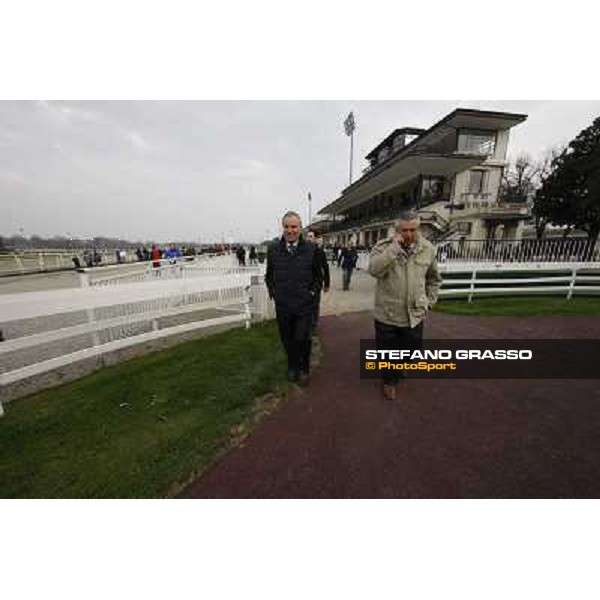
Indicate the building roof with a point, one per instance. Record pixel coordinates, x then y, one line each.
390 138
457 119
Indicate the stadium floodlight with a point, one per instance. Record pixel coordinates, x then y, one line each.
349 127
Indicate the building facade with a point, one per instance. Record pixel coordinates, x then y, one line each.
450 173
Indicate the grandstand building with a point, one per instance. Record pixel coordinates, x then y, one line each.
450 173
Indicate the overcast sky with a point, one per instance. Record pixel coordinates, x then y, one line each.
204 171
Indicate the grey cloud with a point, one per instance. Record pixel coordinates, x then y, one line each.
207 170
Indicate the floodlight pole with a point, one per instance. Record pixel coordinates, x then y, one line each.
351 153
349 127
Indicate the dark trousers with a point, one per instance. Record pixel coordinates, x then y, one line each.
316 310
346 276
295 332
389 337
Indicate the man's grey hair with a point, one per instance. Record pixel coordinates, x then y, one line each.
409 215
291 213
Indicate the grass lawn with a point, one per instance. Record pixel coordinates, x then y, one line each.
525 306
143 427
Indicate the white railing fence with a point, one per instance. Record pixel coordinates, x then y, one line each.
470 283
34 262
169 270
45 331
31 261
16 263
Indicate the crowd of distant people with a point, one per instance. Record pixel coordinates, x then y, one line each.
344 256
240 254
156 253
91 258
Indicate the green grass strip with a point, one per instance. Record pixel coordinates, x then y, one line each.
140 428
522 306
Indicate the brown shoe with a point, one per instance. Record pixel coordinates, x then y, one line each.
389 391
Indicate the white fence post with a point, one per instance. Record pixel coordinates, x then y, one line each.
248 312
259 300
19 263
572 284
472 288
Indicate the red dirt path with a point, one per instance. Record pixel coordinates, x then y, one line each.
453 439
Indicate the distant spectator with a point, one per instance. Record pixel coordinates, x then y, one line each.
173 254
348 264
156 256
334 254
253 256
241 256
96 257
87 258
324 277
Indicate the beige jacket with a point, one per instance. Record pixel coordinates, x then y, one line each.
407 286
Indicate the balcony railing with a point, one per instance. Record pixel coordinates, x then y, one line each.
483 203
434 218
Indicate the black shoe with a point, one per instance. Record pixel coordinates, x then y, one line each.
303 379
293 376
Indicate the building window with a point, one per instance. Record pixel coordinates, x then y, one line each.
383 153
409 138
473 141
477 182
432 189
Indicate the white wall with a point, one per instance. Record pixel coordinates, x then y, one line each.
501 145
494 179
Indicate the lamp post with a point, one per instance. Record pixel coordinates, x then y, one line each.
349 127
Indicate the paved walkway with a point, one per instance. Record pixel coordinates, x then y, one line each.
359 297
464 438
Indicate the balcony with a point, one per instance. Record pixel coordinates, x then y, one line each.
482 206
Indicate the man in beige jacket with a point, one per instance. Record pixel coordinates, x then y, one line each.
408 283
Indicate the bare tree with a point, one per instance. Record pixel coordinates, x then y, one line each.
519 181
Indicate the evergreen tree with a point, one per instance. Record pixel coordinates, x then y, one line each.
570 195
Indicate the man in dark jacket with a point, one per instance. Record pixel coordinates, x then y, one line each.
349 260
311 237
293 279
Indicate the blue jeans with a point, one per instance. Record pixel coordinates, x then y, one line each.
346 276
